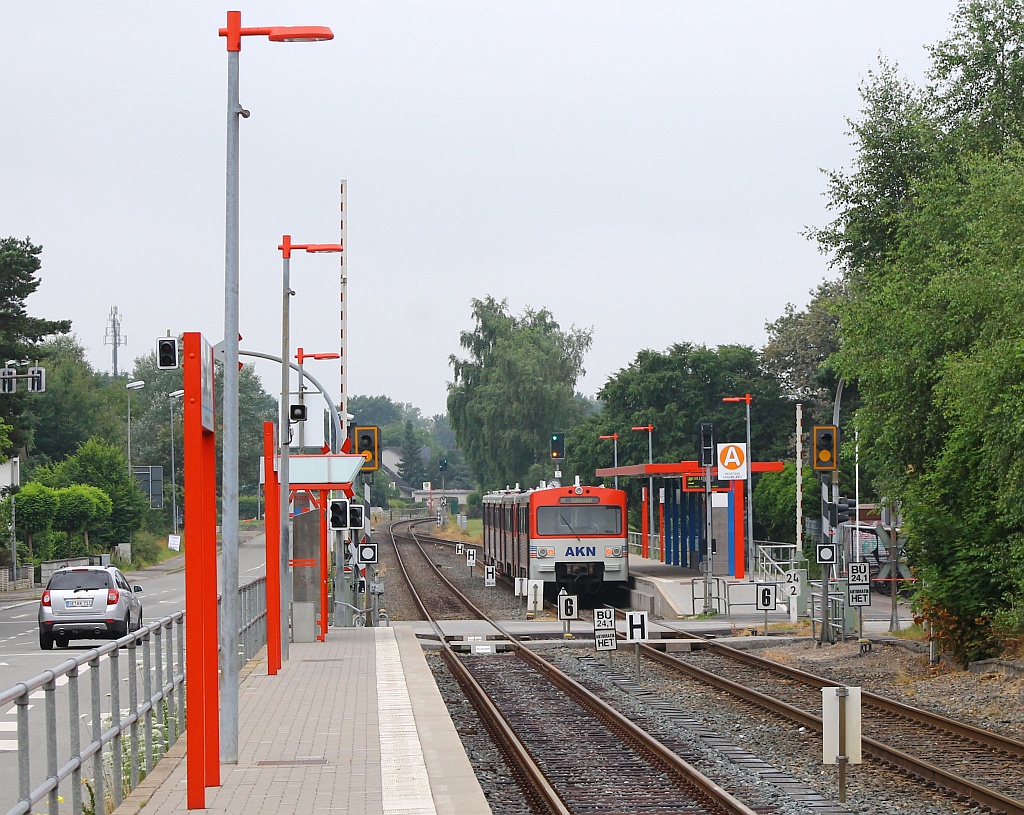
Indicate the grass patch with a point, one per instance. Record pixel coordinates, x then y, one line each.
474 531
914 632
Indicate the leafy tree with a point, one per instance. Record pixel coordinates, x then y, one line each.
515 388
80 507
35 507
78 402
412 468
775 506
103 465
929 237
375 410
20 334
799 346
675 391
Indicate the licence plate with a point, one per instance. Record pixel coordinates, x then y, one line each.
78 603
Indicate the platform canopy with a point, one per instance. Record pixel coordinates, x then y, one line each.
677 469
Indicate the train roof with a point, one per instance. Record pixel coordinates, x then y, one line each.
519 495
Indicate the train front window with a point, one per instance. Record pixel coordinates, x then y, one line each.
579 520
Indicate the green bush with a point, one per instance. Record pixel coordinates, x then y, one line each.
248 507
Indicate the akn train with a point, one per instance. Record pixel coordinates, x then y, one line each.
572 537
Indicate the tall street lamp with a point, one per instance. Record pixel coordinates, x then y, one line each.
650 485
233 34
174 486
750 495
131 386
615 440
284 431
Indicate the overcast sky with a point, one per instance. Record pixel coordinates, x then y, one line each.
642 168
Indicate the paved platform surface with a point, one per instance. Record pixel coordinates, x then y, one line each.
355 724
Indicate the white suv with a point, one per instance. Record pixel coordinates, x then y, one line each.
87 602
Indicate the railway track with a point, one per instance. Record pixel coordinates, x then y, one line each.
531 708
966 761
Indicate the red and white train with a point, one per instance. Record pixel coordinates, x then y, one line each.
570 537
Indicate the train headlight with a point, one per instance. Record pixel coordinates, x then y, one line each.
613 551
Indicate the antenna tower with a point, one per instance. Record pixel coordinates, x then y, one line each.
114 337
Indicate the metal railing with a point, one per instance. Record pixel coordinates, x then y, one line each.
123 743
636 542
163 654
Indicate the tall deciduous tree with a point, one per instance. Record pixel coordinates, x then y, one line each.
929 235
20 334
675 391
78 403
516 387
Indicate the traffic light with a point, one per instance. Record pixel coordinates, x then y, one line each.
367 444
297 413
442 465
8 383
337 513
825 452
845 508
708 454
356 515
36 380
166 353
557 446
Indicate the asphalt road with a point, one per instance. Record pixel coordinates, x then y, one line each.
21 659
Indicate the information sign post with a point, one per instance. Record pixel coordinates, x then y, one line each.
859 588
636 631
568 610
605 638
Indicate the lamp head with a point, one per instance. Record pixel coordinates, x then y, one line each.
300 33
134 386
175 394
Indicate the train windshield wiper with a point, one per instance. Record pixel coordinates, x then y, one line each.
562 519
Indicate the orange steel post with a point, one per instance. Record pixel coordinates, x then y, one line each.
272 537
739 537
645 541
195 676
202 698
323 566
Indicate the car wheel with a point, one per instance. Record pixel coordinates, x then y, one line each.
62 642
45 641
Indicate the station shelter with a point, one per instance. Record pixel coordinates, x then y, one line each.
681 519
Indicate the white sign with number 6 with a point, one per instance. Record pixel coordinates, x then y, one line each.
766 596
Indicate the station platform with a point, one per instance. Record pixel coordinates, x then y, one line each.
355 724
672 593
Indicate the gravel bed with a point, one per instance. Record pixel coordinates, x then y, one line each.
498 601
989 700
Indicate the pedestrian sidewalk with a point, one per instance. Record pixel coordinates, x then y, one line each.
355 724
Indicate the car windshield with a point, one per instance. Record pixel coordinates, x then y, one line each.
79 581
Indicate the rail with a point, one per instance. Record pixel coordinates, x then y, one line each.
122 743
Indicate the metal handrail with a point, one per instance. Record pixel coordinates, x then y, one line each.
115 732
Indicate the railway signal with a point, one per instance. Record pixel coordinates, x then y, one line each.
367 444
337 513
825 451
557 446
166 353
356 515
